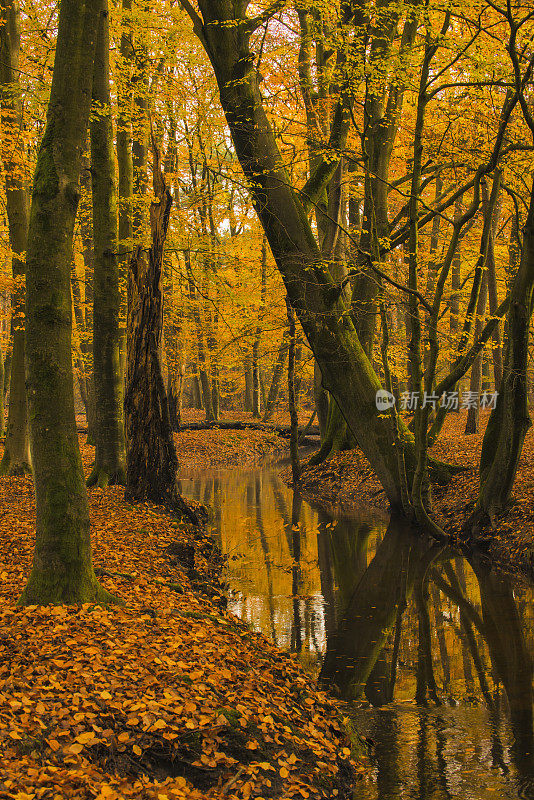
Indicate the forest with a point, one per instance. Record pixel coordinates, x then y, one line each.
266 377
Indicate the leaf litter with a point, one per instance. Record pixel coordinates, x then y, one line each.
168 697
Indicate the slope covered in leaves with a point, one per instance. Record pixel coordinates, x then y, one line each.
167 697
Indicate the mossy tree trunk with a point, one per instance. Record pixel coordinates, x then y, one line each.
151 462
84 316
62 567
110 455
16 459
125 162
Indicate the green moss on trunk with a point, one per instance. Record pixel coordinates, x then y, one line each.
62 571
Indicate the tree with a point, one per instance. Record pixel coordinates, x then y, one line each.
16 459
62 569
151 462
510 420
110 455
225 31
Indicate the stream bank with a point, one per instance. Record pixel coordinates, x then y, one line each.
169 697
345 480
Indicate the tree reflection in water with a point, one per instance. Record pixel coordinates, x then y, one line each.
433 648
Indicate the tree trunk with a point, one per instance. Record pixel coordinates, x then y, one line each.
81 366
110 455
321 398
248 382
475 384
256 400
294 439
336 436
85 318
62 567
276 380
510 420
125 166
177 349
493 304
203 374
456 280
16 459
2 410
212 323
151 462
7 363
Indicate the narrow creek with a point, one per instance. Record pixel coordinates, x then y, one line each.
444 679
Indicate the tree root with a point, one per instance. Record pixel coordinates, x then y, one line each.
99 477
14 469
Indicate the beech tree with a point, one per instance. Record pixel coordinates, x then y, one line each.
110 452
62 569
151 460
16 458
341 329
225 30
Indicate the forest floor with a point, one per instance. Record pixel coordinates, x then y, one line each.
346 480
169 696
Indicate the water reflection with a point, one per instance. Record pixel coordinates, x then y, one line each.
434 650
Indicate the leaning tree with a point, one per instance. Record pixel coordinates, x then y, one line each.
330 321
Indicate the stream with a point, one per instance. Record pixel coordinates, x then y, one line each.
435 649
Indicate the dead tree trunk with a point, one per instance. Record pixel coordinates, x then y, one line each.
151 462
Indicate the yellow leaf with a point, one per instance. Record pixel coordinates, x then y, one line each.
54 745
284 773
159 724
137 750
